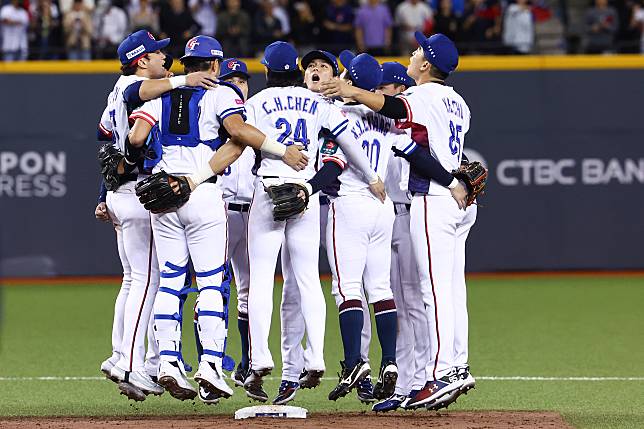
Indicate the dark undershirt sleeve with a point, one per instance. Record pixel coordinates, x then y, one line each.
393 108
424 164
325 176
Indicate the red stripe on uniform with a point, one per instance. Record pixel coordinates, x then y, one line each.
145 116
335 254
336 160
410 115
431 279
145 294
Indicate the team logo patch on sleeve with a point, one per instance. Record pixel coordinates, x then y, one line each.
329 148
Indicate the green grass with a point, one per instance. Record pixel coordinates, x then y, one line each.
547 327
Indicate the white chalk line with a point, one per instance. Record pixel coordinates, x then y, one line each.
486 378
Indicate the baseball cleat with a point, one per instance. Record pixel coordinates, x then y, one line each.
386 383
208 397
239 376
286 392
106 368
254 382
138 379
444 401
390 404
405 403
434 389
349 378
210 376
364 389
132 392
468 380
310 379
172 377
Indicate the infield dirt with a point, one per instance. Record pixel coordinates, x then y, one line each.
457 420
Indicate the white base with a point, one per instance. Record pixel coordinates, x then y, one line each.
278 411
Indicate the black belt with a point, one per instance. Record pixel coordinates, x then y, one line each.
408 206
238 207
131 177
212 179
324 200
270 177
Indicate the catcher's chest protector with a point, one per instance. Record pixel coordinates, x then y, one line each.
180 117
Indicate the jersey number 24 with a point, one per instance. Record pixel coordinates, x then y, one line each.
299 134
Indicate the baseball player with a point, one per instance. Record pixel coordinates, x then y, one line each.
237 185
142 78
358 247
295 116
437 118
412 341
193 123
318 66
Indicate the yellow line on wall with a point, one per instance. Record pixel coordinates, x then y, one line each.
467 63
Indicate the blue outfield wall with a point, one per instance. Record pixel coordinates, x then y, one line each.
564 149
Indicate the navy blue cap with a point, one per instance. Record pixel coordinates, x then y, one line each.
393 72
280 57
233 67
203 47
439 50
364 70
321 55
138 44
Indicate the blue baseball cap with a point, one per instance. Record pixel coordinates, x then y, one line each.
280 57
138 44
393 72
321 55
364 70
233 67
203 47
439 50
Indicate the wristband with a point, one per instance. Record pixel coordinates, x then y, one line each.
176 81
273 147
453 184
374 180
204 173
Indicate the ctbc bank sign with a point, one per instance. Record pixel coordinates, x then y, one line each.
568 171
32 174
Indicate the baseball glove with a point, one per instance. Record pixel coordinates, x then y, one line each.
286 201
110 157
156 193
474 175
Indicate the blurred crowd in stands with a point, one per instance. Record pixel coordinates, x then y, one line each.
92 29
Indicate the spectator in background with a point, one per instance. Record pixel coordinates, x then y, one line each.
637 23
45 30
77 25
373 28
144 17
177 23
458 6
518 27
205 13
447 22
482 26
601 26
411 16
267 27
338 25
67 5
15 20
111 26
280 10
233 29
305 30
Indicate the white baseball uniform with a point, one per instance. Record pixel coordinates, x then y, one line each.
290 115
237 184
189 121
136 248
412 342
438 117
